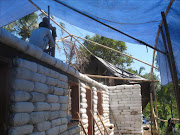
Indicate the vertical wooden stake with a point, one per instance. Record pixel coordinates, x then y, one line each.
96 123
172 64
115 122
82 124
102 123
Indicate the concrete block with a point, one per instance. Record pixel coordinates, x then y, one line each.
40 87
21 130
38 117
43 126
38 97
22 107
20 96
19 119
24 85
42 106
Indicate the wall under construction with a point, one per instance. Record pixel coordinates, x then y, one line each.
126 107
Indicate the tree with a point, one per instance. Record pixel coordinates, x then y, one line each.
108 55
24 26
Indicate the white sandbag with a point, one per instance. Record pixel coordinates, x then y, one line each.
40 87
22 107
43 126
41 106
19 119
38 97
22 130
38 117
20 96
24 85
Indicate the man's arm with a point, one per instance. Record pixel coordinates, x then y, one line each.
51 40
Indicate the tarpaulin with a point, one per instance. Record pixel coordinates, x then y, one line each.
137 18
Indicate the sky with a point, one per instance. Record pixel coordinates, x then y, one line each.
138 51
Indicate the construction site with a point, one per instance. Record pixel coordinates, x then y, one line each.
43 95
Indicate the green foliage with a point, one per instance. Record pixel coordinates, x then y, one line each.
24 26
108 55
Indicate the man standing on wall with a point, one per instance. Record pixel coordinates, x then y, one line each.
42 36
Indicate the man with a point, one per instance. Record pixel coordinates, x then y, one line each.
42 36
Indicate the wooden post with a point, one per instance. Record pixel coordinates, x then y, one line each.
102 123
115 122
96 123
82 124
172 64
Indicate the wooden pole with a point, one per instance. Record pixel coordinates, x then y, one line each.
172 63
115 122
115 51
102 123
82 124
96 123
118 78
157 36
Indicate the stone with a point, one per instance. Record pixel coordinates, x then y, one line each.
22 107
20 119
43 126
21 130
42 106
24 85
38 117
40 87
20 96
38 97
51 98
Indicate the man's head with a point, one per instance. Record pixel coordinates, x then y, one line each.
44 23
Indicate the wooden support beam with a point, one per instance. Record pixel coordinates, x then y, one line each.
115 51
102 123
118 78
172 64
82 124
96 123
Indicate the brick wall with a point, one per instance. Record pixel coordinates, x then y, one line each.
125 103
